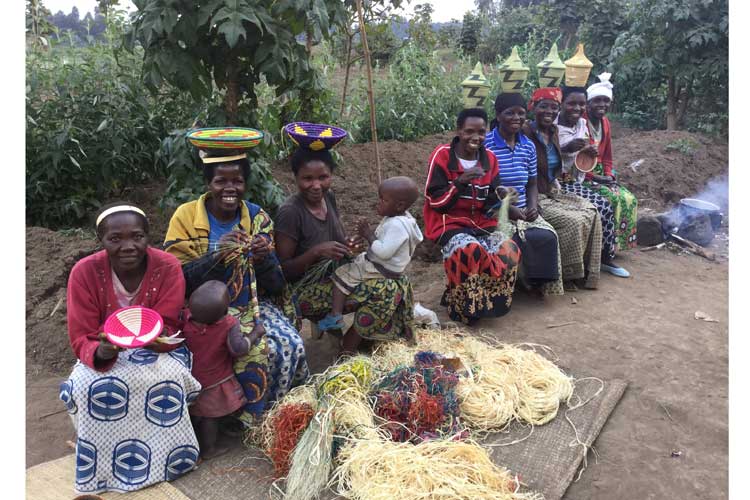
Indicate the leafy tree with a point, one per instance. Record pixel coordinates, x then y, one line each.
449 33
230 44
38 27
678 44
420 26
470 31
488 8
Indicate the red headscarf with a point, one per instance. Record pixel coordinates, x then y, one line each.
553 93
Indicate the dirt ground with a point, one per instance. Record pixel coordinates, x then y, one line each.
640 329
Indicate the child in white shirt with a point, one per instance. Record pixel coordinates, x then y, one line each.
392 245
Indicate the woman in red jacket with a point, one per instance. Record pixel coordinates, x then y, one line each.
129 407
480 265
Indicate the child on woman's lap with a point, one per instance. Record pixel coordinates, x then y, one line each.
392 245
215 339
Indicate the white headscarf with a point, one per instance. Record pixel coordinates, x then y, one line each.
604 87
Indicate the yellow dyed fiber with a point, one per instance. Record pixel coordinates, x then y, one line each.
435 470
355 372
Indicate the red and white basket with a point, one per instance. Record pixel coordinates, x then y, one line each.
133 326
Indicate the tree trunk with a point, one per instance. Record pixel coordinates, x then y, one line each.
232 96
672 97
371 97
685 94
350 37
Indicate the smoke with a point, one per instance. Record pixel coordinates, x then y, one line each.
716 191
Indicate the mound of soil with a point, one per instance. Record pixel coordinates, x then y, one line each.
676 164
50 256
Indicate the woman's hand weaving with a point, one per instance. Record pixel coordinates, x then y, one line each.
260 248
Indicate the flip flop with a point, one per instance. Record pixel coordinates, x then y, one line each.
617 271
331 323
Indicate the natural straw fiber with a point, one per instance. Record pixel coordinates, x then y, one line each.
54 481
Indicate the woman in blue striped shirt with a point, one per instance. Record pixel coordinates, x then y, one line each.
516 156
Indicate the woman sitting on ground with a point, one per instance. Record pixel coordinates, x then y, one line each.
574 138
221 236
310 238
129 407
461 189
575 219
516 156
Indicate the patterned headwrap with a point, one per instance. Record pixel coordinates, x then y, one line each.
552 93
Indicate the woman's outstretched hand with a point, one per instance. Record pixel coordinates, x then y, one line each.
331 250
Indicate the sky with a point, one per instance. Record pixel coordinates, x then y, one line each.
445 10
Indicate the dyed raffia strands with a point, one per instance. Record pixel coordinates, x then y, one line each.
355 372
312 460
419 403
225 138
346 387
265 435
435 470
287 425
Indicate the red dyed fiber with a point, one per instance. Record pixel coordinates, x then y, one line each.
413 413
288 425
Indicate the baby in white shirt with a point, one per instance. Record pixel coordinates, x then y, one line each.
392 246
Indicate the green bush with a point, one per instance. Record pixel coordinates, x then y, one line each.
417 98
91 130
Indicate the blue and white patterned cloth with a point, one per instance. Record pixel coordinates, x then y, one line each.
132 421
287 362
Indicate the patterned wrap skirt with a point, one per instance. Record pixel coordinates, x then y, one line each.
606 214
481 272
579 230
274 365
383 307
132 422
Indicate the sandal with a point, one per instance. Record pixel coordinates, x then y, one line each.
331 323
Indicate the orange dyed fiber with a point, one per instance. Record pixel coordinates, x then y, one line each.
288 425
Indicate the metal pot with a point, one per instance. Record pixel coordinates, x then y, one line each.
692 207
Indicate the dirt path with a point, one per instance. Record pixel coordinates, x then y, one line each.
641 330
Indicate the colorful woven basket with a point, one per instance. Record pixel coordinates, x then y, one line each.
314 136
133 326
225 138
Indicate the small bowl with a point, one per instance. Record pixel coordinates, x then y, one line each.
133 326
585 162
88 497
